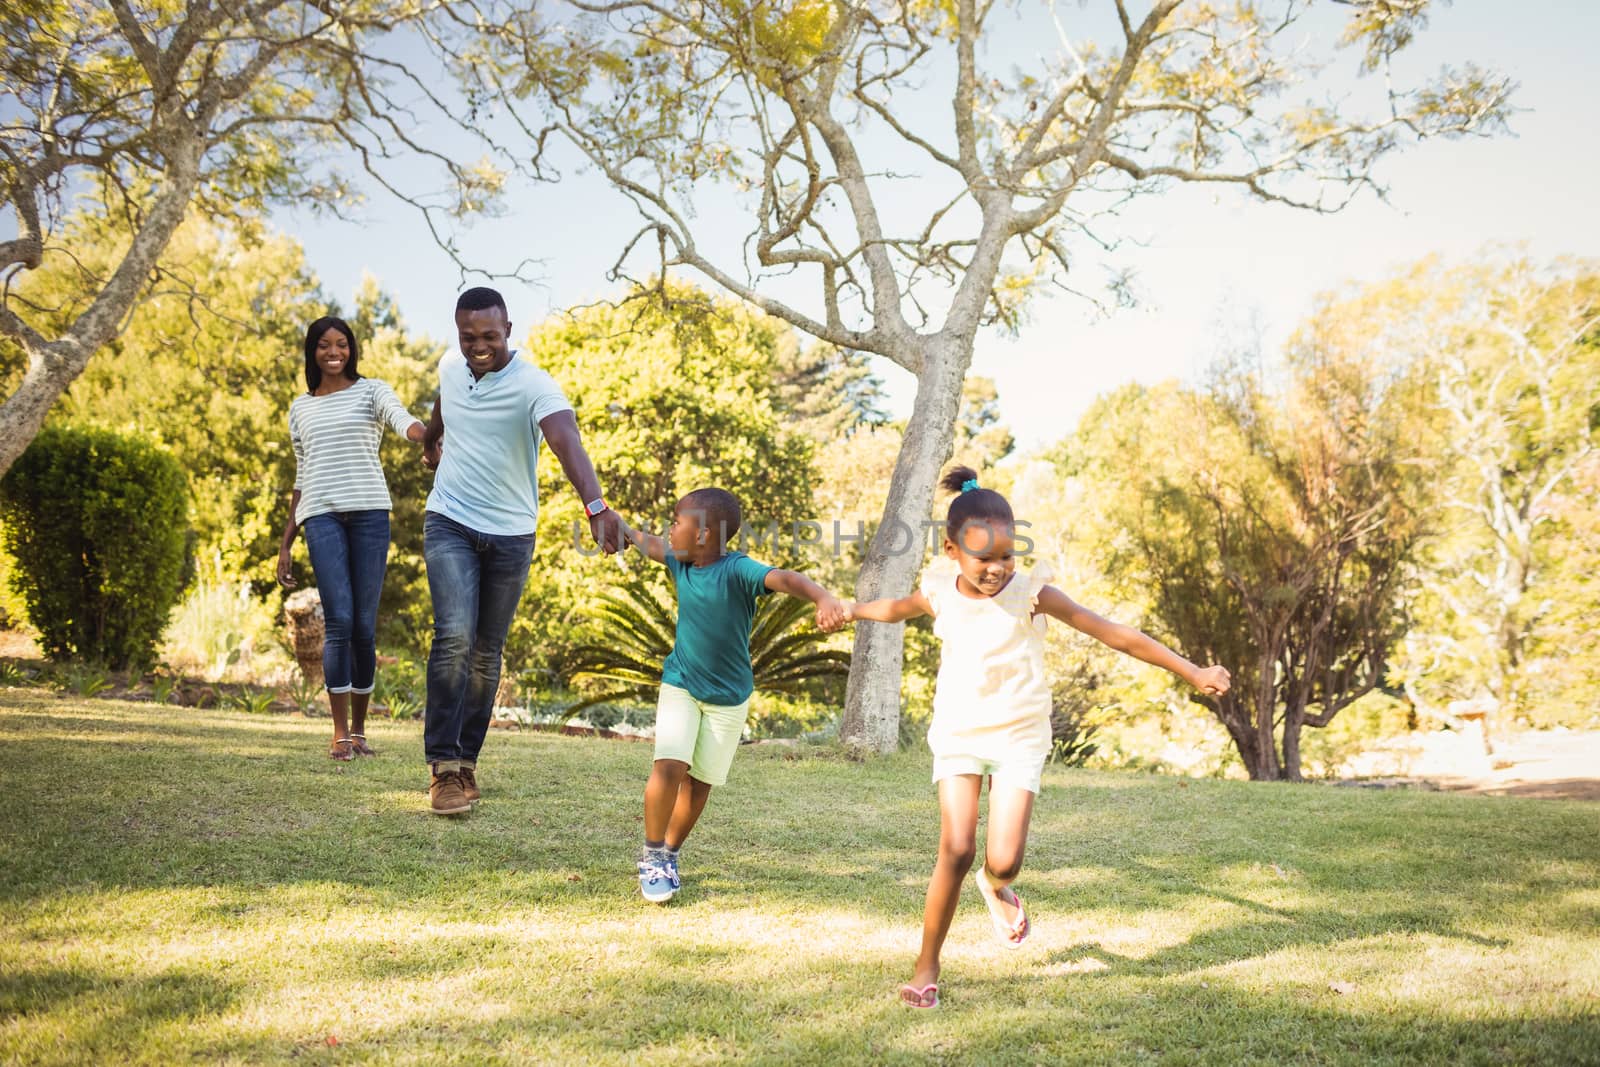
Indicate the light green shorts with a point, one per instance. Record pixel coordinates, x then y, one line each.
1022 772
705 736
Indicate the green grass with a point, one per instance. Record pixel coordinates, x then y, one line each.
205 886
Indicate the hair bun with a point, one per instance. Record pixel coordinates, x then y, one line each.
959 479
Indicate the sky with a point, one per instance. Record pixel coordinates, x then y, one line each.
1205 262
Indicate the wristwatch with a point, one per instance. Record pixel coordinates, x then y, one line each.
594 507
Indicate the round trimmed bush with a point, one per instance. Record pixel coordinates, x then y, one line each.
97 523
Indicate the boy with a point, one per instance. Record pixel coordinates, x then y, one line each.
707 679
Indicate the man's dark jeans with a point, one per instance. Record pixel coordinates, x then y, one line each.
476 580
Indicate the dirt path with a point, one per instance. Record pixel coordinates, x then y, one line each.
1557 764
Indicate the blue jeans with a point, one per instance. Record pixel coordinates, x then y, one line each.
476 580
349 551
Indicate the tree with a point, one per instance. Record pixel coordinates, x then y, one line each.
1273 532
1568 685
827 392
1511 352
784 109
150 111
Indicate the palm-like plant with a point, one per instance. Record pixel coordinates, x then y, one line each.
637 624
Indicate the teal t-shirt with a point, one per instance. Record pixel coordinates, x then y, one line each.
716 609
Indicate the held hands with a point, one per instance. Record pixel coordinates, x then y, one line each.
832 613
1213 681
609 531
431 454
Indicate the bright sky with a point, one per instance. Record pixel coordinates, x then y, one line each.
1204 262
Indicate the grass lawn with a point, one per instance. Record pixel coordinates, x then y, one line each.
205 886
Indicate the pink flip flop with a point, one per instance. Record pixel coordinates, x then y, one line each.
912 997
1003 929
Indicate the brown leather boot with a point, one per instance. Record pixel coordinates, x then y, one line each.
469 783
445 793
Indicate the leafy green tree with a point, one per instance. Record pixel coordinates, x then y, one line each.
826 392
1273 531
1510 352
781 110
671 395
208 378
1564 675
150 111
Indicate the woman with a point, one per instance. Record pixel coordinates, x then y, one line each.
342 500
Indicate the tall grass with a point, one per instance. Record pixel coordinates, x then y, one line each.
223 632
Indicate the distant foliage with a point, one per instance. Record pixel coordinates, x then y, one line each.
96 522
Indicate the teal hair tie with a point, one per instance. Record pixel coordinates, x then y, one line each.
969 485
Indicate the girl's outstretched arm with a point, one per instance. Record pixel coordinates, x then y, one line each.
650 544
889 609
1056 604
830 612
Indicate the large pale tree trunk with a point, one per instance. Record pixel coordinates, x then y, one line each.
55 365
894 557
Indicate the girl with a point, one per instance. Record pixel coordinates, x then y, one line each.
991 706
342 500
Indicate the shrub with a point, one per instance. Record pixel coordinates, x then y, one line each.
96 522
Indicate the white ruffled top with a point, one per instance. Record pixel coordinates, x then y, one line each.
992 698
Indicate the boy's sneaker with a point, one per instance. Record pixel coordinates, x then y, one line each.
672 871
656 881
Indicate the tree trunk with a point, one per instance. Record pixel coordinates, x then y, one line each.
894 556
54 365
1236 718
1264 767
1290 770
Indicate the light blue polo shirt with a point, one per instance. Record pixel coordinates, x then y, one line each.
488 475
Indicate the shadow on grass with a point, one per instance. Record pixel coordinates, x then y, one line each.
1187 1022
109 1013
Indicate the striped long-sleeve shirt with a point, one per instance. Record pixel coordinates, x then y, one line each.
335 440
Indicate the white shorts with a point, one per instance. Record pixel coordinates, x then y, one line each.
1023 772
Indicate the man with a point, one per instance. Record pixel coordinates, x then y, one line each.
478 535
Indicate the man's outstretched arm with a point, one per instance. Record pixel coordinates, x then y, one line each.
561 432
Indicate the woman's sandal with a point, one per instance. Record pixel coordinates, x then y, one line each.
358 744
926 997
1011 934
345 754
